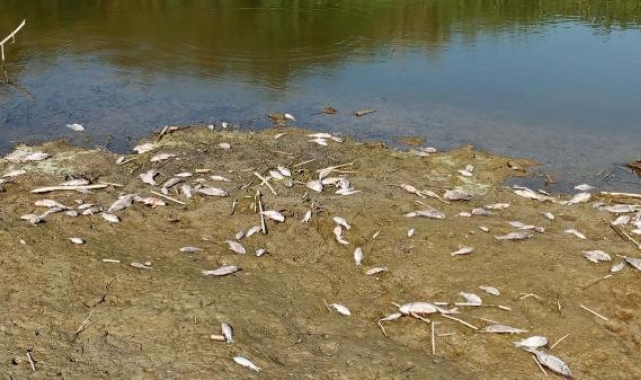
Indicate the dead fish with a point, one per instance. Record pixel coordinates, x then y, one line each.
471 298
502 329
307 217
236 247
376 270
219 178
109 217
284 171
274 215
410 232
363 112
621 220
252 230
148 177
144 148
548 215
348 191
463 251
171 182
162 157
465 214
224 124
224 145
76 127
260 252
122 203
465 173
490 289
584 187
140 265
151 201
342 222
484 229
36 156
633 261
275 174
76 182
321 142
222 271
186 190
14 173
279 135
72 213
596 256
553 363
457 195
579 198
617 267
338 232
430 214
517 235
341 309
91 210
320 135
497 206
531 343
244 362
358 256
411 189
228 332
213 191
523 226
576 233
529 193
190 249
77 241
418 308
315 185
32 218
481 212
621 208
239 235
49 203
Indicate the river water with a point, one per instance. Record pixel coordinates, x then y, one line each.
558 81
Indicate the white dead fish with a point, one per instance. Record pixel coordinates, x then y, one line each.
633 261
497 206
275 174
490 289
224 145
529 193
49 203
122 203
151 201
411 189
457 195
213 191
621 208
465 214
144 148
77 241
76 127
109 217
463 251
72 213
224 124
239 235
315 185
523 226
148 177
342 222
430 214
274 215
14 173
279 135
347 191
584 187
596 256
579 198
222 271
548 215
484 229
517 235
284 171
321 142
162 157
338 232
260 252
418 308
465 173
190 249
32 218
341 309
289 117
236 247
171 182
471 298
576 233
76 182
91 210
531 343
617 267
481 212
36 156
252 230
140 265
553 363
410 232
228 332
307 217
376 270
220 178
502 329
186 190
320 135
246 363
358 256
621 220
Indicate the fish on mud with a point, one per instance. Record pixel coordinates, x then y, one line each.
222 271
596 256
148 177
49 203
575 232
109 217
213 191
236 247
341 309
274 215
517 235
122 203
376 270
553 363
228 332
189 249
342 222
430 214
162 157
490 289
358 256
315 185
457 195
502 329
463 251
244 362
531 343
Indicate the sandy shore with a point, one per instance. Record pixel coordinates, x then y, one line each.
82 317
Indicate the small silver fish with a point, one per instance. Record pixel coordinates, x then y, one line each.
338 232
122 203
190 249
430 214
76 182
14 173
307 217
376 270
579 198
151 201
497 206
342 222
358 256
621 208
583 187
239 235
321 142
275 174
481 212
246 363
36 156
49 203
471 298
91 210
140 265
224 145
171 182
502 329
341 309
213 191
274 215
621 220
72 213
148 177
144 148
617 267
228 332
260 252
162 157
219 178
576 233
463 251
490 289
284 171
633 261
531 343
236 247
553 363
109 217
596 256
222 271
418 308
32 218
517 235
410 232
315 185
457 195
77 241
253 230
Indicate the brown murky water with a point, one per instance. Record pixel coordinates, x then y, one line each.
155 324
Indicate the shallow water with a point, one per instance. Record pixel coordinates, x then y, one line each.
557 81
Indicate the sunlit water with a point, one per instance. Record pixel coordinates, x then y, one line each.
556 81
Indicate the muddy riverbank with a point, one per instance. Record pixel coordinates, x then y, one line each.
82 317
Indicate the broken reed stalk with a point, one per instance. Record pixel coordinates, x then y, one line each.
11 37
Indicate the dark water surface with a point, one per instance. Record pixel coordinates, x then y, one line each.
554 80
